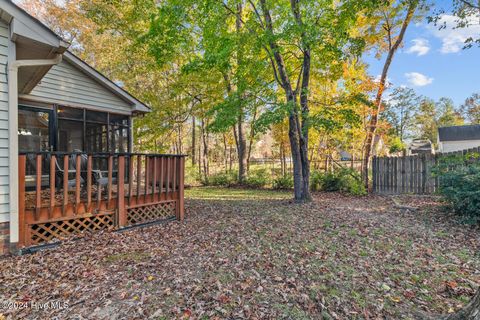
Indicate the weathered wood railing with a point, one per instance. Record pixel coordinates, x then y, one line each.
67 193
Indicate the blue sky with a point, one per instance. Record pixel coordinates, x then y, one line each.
433 63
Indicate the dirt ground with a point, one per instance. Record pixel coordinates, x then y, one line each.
256 255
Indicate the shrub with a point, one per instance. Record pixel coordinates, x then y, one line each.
459 184
192 176
283 182
343 180
224 179
316 180
258 178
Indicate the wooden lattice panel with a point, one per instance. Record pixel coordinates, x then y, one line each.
151 212
44 232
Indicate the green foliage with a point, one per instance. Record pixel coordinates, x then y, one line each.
316 180
396 145
258 178
192 176
342 180
459 178
471 108
283 182
223 179
400 112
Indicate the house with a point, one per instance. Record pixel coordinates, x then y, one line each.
420 146
456 138
64 125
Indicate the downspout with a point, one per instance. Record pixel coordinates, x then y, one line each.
13 67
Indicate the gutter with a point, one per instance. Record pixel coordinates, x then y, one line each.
13 66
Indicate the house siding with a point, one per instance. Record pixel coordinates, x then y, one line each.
66 85
452 146
4 163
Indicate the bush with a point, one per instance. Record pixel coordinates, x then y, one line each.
223 179
316 180
258 178
342 180
459 184
283 182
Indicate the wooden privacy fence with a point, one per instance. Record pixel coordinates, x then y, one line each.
409 174
61 194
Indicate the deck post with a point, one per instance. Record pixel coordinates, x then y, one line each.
181 186
22 162
121 210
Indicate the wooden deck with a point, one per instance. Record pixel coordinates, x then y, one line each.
136 188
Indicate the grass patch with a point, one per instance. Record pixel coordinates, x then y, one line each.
218 193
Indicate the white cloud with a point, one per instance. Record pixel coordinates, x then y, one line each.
418 79
453 39
420 47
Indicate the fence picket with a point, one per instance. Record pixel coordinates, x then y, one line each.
410 174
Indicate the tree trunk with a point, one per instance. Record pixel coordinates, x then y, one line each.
251 138
205 151
180 140
297 131
369 141
305 125
296 153
242 141
230 158
470 312
225 153
193 142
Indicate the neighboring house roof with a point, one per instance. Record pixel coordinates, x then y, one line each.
459 133
421 145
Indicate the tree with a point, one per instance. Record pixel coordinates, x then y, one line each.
471 108
467 13
400 112
290 34
447 114
432 115
394 24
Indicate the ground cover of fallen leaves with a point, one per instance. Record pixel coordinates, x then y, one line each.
255 254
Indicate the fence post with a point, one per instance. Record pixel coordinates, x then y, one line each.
121 211
374 173
181 187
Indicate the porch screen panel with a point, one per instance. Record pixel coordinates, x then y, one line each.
70 135
118 133
33 130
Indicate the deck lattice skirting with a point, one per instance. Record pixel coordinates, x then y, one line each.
4 237
99 192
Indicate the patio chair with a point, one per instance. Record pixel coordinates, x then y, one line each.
71 171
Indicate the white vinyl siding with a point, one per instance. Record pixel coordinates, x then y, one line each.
64 84
4 165
452 146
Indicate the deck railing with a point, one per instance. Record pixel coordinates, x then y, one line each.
67 193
